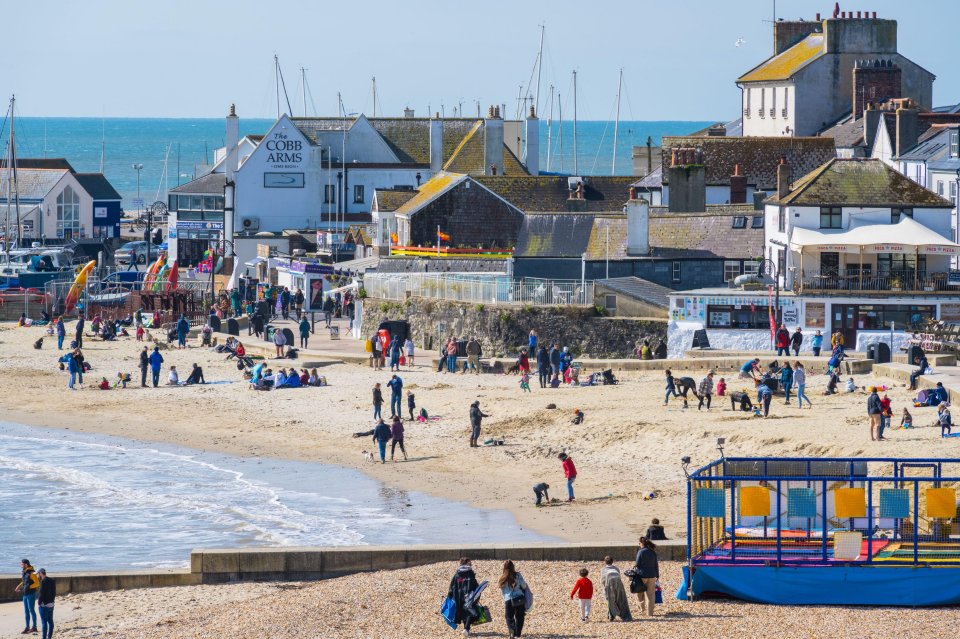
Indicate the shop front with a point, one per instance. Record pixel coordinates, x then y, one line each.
192 240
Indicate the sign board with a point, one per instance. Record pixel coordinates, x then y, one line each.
100 211
283 180
284 150
815 313
138 202
172 234
790 316
950 312
200 226
700 339
953 278
314 301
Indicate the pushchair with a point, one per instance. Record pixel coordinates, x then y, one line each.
608 377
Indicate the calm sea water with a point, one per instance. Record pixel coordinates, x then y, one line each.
70 501
186 143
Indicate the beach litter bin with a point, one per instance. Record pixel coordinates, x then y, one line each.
233 326
883 353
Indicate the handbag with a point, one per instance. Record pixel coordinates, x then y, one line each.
658 598
527 598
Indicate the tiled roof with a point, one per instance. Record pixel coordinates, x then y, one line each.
39 163
33 184
859 182
552 193
97 186
672 235
392 199
429 191
209 184
638 288
930 147
758 157
787 63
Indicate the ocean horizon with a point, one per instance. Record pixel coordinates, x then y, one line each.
184 144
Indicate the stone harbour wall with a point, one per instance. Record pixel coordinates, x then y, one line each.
502 330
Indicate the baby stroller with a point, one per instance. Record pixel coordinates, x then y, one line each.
608 377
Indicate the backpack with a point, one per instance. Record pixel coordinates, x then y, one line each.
34 580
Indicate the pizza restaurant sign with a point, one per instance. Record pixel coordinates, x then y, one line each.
284 151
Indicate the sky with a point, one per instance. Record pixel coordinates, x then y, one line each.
192 58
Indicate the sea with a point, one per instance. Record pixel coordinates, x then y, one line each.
171 150
79 502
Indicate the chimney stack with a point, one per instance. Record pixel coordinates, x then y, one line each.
871 120
436 144
686 181
784 178
532 137
493 142
908 131
638 227
738 187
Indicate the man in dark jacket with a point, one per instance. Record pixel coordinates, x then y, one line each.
381 435
543 366
285 302
796 341
874 411
555 356
462 586
328 310
922 365
298 303
46 596
144 366
396 395
80 333
476 417
183 328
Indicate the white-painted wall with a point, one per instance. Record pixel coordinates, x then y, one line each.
775 96
717 194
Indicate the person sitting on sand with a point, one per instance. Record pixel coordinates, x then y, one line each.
655 531
851 386
104 384
616 594
196 376
173 379
944 419
304 377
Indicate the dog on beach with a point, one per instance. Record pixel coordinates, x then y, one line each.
367 455
38 344
513 370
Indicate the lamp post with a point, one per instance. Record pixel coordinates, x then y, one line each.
138 167
213 266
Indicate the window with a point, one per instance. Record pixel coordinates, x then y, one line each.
879 316
676 272
773 102
763 102
829 264
782 219
739 222
731 270
610 302
786 101
831 217
742 316
757 222
746 109
940 188
896 214
68 213
751 268
329 194
954 144
209 203
172 202
899 264
953 191
358 194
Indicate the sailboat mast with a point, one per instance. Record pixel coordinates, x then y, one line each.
539 67
549 128
560 129
276 80
6 217
103 135
576 166
616 124
13 165
373 81
303 89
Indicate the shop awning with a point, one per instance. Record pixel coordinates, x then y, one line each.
257 260
906 236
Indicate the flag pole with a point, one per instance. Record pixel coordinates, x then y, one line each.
438 240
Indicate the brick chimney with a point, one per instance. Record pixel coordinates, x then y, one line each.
738 187
875 80
908 128
784 178
687 181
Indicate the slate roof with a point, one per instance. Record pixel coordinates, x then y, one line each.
846 133
552 192
707 235
931 147
97 186
39 163
392 199
33 184
859 182
758 157
468 156
653 180
785 65
430 191
639 289
209 184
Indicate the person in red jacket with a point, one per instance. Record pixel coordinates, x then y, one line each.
783 341
570 472
583 589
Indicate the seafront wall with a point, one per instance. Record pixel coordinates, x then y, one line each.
215 566
502 330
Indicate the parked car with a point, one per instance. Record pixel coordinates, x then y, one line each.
135 252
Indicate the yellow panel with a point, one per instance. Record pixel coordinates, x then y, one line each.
754 501
849 502
787 63
941 503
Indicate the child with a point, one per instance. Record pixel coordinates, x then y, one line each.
907 420
541 490
525 383
174 378
721 387
122 380
943 418
104 384
577 416
411 403
583 588
851 385
140 332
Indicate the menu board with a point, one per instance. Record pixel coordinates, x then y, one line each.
950 312
815 313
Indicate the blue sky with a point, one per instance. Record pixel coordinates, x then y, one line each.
191 58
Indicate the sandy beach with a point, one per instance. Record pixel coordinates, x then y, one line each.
628 447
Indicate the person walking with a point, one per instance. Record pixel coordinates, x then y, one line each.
381 435
409 349
144 366
570 472
279 341
396 349
411 403
462 586
514 590
617 603
183 328
648 571
782 341
452 356
671 388
156 360
61 333
79 332
473 355
796 341
874 411
28 586
686 385
285 303
377 401
543 367
706 390
555 356
396 395
816 343
327 310
298 302
304 331
476 418
542 491
46 595
800 381
396 434
786 381
886 414
583 590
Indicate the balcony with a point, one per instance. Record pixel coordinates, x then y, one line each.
845 280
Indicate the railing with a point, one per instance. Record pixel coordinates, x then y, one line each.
854 280
496 290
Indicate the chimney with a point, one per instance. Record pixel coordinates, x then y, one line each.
408 112
874 80
687 182
871 120
638 227
231 142
436 144
784 178
493 143
738 187
532 136
907 129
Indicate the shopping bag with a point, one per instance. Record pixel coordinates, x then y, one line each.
483 616
658 597
448 610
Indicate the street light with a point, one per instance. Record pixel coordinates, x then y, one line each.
138 167
213 265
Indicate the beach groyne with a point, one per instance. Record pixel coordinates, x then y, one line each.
218 566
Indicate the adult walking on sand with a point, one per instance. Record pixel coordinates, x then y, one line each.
783 341
874 411
156 361
706 390
381 435
543 366
79 332
616 594
532 342
476 418
796 341
800 380
377 400
304 331
648 572
570 472
183 329
396 395
396 434
462 586
279 341
514 590
144 366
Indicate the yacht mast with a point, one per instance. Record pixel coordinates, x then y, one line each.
549 128
576 166
539 66
13 169
616 124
